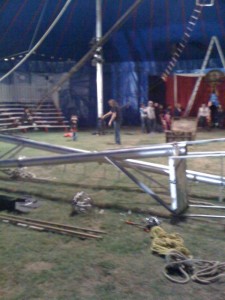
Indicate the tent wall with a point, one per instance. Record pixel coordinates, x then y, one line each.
27 87
157 89
127 82
185 86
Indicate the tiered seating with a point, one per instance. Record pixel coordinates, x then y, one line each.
45 117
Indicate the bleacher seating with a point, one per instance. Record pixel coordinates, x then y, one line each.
45 117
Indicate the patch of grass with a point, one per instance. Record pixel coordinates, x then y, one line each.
44 265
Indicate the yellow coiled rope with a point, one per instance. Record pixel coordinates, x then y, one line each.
179 260
163 242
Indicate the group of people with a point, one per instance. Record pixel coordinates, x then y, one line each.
155 118
211 115
26 119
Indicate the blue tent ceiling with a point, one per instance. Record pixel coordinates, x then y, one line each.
151 33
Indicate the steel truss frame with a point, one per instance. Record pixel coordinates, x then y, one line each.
124 159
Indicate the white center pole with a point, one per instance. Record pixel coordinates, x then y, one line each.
99 62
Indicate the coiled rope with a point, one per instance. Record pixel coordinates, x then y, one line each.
179 261
163 242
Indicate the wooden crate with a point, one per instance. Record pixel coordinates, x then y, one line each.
183 129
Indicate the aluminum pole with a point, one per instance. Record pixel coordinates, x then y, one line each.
120 154
39 145
203 216
164 170
99 62
141 165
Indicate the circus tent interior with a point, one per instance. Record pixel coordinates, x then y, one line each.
148 48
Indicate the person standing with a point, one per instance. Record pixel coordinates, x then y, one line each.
213 107
143 117
73 126
158 118
168 118
221 116
151 120
115 119
203 116
177 113
213 113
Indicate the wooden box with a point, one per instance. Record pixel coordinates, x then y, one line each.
183 129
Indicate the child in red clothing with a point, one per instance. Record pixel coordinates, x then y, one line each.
73 126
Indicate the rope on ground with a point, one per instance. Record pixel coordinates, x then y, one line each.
163 242
180 267
201 271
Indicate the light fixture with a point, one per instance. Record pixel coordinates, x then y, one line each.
205 2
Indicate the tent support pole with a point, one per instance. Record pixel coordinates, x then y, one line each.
91 52
99 63
175 89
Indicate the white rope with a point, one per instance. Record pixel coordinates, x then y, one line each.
39 42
